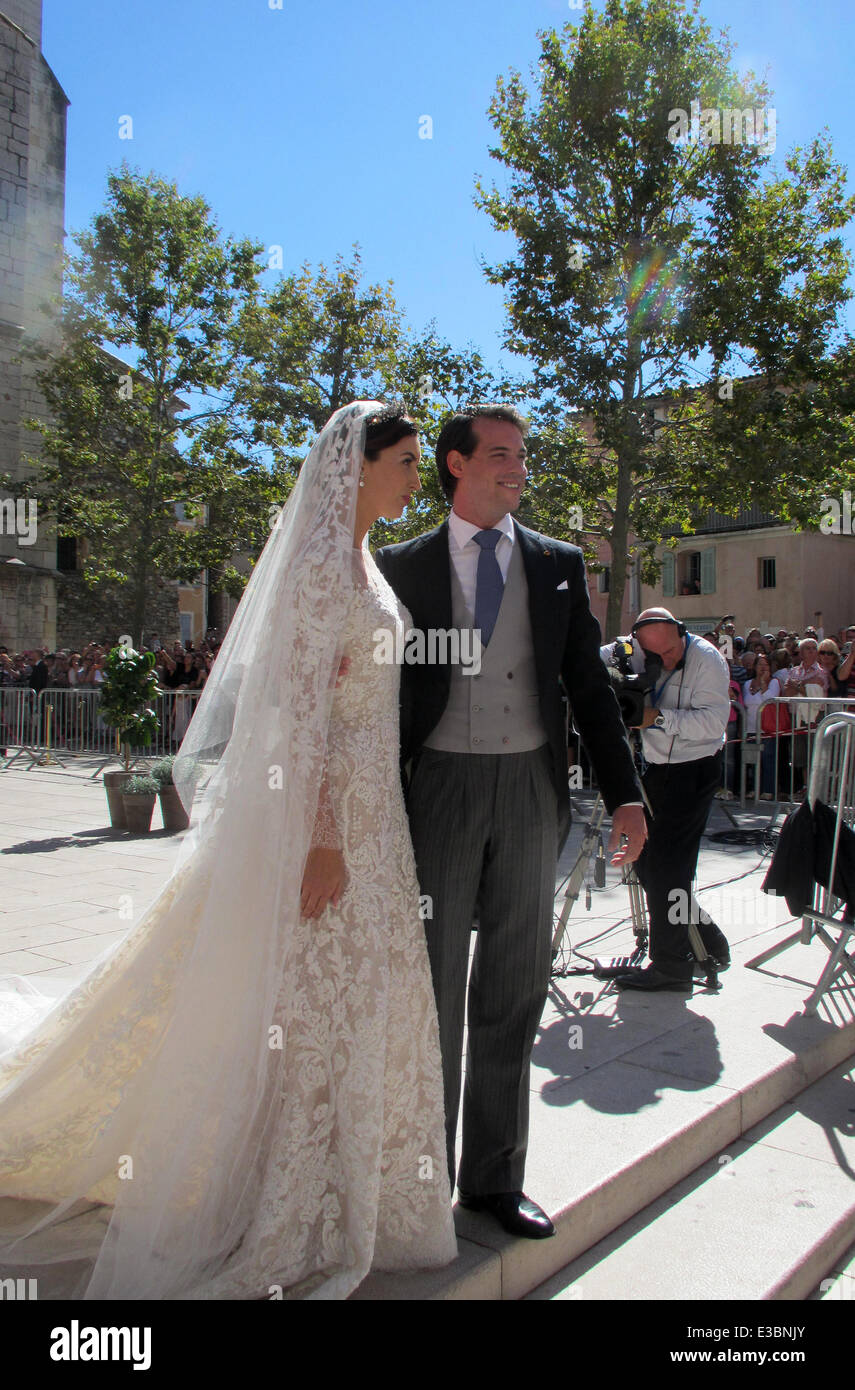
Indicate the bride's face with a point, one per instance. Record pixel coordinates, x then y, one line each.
391 479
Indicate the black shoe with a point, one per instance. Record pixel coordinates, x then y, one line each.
651 977
514 1211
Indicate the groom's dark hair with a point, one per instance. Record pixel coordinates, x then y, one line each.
459 433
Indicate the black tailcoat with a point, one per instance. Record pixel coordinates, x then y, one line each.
566 638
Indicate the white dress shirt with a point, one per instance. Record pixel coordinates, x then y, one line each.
464 552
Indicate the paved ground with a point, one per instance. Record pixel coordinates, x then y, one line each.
71 886
613 1074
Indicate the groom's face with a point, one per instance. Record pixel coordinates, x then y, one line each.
490 482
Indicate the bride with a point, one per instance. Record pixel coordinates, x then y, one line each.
244 1099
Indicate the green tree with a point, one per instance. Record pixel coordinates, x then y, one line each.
318 339
653 259
322 337
154 280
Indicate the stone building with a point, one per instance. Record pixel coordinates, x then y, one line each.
43 601
752 564
32 207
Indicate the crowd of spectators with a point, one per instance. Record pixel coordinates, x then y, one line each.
180 667
781 665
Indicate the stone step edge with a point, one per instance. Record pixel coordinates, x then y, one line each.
799 1282
794 1283
525 1264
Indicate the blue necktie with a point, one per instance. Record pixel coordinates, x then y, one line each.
489 585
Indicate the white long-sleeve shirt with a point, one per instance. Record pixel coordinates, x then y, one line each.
694 701
465 553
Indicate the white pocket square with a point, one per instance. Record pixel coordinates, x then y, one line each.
563 584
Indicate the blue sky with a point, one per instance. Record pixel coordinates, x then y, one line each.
300 126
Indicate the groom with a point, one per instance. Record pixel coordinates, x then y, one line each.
487 795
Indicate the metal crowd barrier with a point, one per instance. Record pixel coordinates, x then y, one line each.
774 767
63 721
755 766
832 783
780 763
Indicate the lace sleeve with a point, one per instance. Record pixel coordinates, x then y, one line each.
325 833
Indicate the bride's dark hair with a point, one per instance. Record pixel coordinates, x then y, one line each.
386 428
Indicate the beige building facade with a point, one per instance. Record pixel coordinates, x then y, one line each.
768 577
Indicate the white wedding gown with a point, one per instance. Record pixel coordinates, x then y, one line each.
351 1174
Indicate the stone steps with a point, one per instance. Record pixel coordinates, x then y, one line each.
767 1219
716 1109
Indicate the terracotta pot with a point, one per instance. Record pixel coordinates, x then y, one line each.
139 807
172 810
113 784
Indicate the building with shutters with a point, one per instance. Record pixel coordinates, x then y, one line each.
752 565
765 572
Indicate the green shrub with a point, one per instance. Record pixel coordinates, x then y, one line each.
130 685
140 785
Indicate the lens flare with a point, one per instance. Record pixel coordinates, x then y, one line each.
652 290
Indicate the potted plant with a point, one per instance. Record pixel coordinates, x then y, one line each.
171 806
130 685
139 794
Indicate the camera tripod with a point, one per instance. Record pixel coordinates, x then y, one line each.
603 970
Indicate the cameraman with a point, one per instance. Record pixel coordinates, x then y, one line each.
683 722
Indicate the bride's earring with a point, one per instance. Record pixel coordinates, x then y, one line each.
362 479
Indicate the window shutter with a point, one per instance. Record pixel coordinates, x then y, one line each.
708 571
668 574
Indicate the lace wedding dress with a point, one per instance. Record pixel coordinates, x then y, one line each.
239 1102
358 1175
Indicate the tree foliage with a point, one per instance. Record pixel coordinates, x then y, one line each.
153 280
652 260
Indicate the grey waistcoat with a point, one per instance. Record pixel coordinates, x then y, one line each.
498 710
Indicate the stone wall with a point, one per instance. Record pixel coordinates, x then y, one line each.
27 14
27 607
32 208
86 615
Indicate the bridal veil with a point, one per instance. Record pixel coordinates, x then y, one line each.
134 1112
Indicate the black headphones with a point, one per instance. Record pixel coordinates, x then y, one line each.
644 622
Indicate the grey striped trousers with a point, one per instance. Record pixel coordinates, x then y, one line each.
485 832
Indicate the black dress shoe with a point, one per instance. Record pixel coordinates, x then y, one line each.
651 977
514 1211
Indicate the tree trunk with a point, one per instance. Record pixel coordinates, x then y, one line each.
620 547
140 600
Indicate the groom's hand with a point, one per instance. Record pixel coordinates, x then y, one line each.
628 824
324 879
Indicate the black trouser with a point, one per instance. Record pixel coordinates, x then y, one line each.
680 796
485 828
